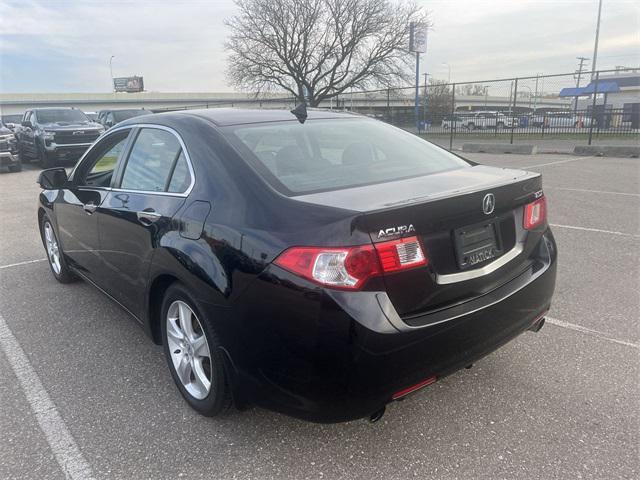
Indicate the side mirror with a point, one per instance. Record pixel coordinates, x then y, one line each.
53 178
26 123
11 126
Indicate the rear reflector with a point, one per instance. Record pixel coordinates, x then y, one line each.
350 267
412 389
535 213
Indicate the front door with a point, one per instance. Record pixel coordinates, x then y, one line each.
152 185
76 210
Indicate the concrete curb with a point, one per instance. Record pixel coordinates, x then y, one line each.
608 150
521 149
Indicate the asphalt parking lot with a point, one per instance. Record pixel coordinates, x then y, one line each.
562 403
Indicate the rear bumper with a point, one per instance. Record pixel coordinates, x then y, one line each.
334 356
8 158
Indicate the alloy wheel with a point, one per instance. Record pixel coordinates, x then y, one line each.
53 251
189 349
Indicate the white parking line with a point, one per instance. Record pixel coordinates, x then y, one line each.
589 331
58 437
524 167
598 230
22 263
591 191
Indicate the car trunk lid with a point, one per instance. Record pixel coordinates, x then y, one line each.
468 220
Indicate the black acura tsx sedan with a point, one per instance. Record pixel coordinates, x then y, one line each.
319 264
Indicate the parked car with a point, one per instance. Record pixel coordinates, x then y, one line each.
320 268
109 118
9 150
50 135
11 121
556 120
452 121
482 119
93 116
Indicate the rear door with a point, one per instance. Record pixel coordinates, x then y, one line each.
27 135
152 184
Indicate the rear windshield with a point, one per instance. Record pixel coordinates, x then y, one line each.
121 115
322 155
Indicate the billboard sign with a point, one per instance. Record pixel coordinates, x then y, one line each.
417 37
128 84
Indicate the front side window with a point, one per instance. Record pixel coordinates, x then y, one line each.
322 155
102 161
154 157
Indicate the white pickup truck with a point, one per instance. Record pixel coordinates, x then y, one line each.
486 119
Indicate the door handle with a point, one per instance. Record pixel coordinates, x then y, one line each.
148 216
89 208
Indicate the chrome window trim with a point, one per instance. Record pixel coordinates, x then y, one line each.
183 146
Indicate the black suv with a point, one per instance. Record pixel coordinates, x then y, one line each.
52 134
109 118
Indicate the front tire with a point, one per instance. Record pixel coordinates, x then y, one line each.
193 353
57 263
43 159
16 167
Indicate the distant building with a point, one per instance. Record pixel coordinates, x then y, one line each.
617 98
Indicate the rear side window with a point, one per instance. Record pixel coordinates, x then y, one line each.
322 155
156 163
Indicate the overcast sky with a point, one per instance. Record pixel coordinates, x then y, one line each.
177 45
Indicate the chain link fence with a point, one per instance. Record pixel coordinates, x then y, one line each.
603 105
598 105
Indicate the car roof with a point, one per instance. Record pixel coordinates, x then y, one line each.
238 116
54 108
233 116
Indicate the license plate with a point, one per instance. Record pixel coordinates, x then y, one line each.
477 244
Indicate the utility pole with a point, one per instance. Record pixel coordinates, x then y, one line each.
595 47
579 73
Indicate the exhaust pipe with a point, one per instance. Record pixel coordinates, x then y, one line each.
537 326
377 415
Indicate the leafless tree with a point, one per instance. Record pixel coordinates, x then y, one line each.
439 96
322 46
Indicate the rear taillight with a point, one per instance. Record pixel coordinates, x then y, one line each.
535 213
350 267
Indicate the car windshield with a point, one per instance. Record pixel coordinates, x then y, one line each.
322 155
61 115
121 115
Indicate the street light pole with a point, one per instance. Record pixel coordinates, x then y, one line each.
595 47
111 71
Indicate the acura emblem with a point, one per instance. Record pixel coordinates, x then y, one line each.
488 203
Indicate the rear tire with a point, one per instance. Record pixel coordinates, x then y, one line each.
193 353
55 255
